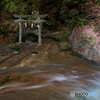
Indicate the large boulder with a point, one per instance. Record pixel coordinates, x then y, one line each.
85 40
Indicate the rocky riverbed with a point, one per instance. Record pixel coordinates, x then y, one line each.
46 72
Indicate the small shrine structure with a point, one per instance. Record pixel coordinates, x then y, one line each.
32 19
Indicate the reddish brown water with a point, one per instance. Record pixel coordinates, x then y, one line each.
50 82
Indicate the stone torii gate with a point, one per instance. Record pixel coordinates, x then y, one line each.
32 19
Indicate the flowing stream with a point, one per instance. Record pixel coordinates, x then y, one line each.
52 82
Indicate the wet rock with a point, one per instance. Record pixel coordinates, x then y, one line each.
48 53
4 57
6 90
3 78
50 47
12 60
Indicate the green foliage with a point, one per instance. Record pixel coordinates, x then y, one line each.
11 6
52 22
71 22
82 22
79 19
74 12
14 6
97 26
98 3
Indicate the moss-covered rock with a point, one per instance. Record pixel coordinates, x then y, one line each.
85 40
64 46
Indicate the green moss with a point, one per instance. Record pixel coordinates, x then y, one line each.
69 30
64 46
63 36
77 54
